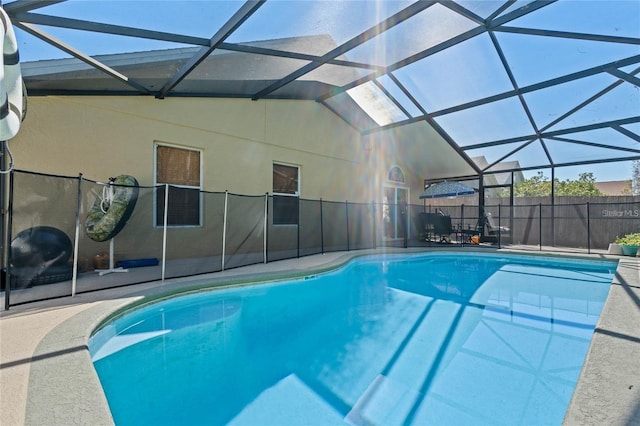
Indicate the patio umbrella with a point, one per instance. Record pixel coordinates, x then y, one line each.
446 189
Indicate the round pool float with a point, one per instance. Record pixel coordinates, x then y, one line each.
109 215
10 81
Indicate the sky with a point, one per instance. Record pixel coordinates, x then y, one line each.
470 70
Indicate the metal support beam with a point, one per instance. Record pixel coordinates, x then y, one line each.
82 25
566 131
356 41
567 34
407 61
392 98
527 89
96 27
499 11
568 164
245 48
520 12
542 85
514 83
436 126
596 145
81 56
460 10
627 133
587 102
625 76
27 5
510 153
227 29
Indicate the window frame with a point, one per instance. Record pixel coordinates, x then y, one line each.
282 194
200 152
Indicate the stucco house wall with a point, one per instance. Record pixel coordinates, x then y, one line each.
419 151
240 140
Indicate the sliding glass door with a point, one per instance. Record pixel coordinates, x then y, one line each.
394 212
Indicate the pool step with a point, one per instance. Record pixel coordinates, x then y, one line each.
386 401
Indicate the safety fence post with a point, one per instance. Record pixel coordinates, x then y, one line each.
266 222
321 228
407 224
346 204
373 225
499 225
76 241
164 229
7 283
224 226
540 227
298 230
588 228
462 234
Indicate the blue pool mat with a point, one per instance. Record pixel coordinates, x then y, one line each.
137 263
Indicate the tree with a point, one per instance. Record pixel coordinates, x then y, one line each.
540 186
633 185
585 185
536 186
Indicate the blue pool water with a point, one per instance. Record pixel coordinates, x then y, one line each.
441 338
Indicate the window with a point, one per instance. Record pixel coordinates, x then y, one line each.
286 189
395 175
181 168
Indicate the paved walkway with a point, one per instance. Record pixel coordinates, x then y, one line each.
46 375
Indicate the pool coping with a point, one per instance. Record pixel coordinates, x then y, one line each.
63 387
608 389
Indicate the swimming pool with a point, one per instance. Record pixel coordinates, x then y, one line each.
440 338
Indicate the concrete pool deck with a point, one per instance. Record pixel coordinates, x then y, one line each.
47 378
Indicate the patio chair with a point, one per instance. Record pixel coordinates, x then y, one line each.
495 230
442 227
435 227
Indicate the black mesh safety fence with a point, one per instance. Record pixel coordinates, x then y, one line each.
309 238
283 236
588 226
417 231
104 262
469 219
245 231
527 224
299 236
46 244
584 225
42 231
392 224
497 223
334 226
565 225
62 240
196 248
360 226
446 223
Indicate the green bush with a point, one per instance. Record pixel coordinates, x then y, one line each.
629 239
